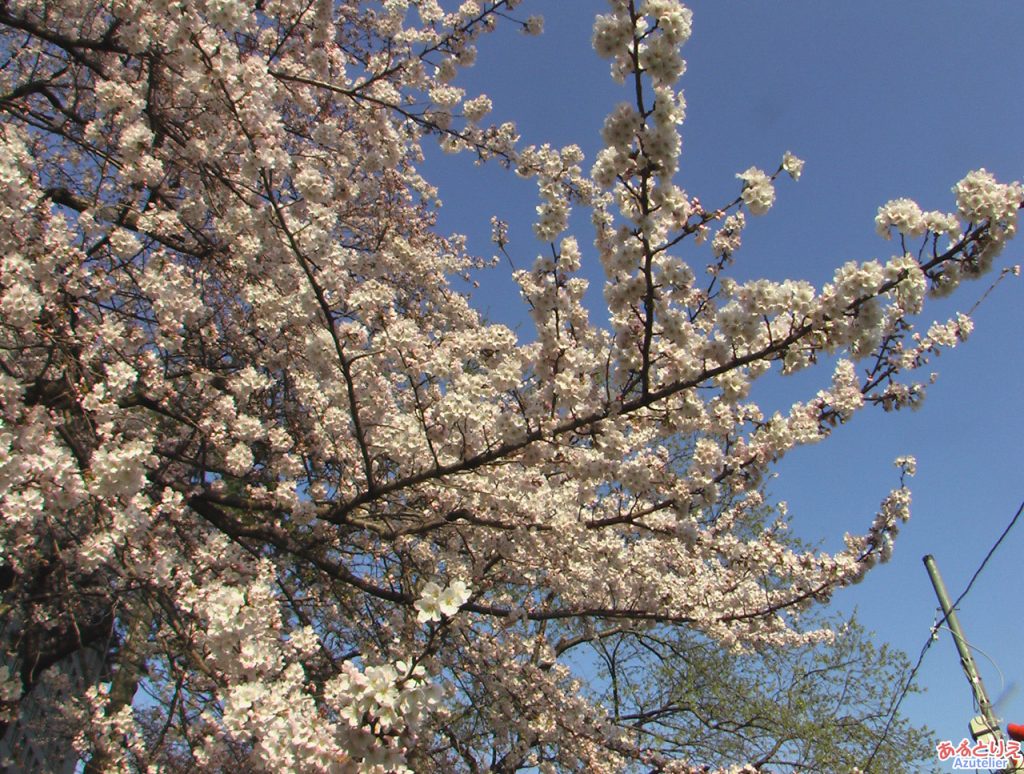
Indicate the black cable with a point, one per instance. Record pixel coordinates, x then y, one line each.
932 636
894 707
988 556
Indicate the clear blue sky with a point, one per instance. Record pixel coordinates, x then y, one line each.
882 100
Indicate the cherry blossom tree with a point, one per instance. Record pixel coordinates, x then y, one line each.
317 513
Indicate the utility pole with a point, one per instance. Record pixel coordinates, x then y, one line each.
987 723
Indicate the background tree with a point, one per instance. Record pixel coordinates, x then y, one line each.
318 513
818 707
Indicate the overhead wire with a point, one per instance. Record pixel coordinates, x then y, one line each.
932 637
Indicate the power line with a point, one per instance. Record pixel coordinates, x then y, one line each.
932 637
988 556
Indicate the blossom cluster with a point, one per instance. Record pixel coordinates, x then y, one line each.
758 191
435 602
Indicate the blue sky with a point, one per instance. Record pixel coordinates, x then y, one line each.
882 100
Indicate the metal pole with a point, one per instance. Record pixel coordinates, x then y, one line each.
966 659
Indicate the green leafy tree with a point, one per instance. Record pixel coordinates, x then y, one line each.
821 707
